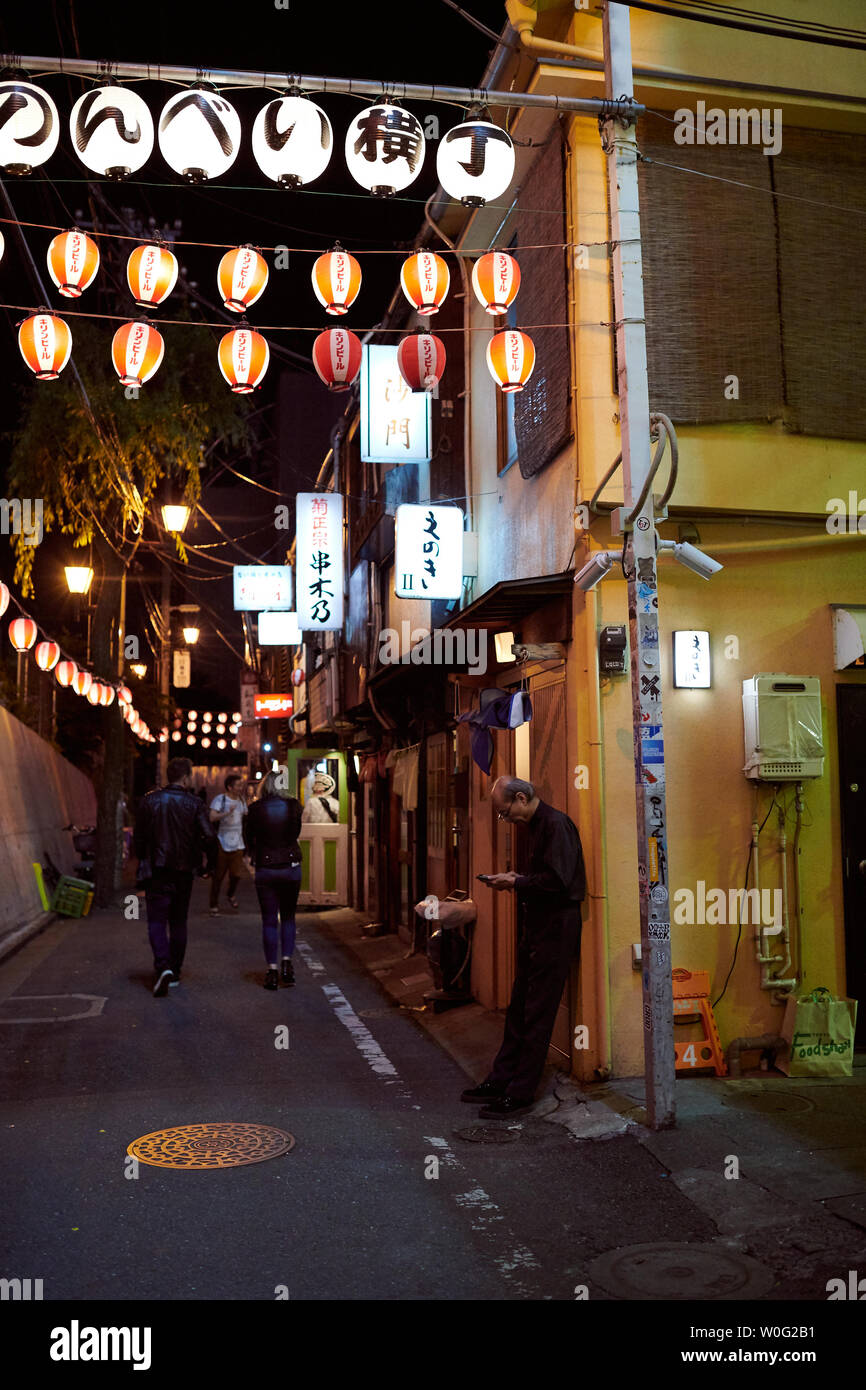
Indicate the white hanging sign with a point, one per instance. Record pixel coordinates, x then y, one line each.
319 560
262 586
428 555
181 670
279 630
395 421
692 659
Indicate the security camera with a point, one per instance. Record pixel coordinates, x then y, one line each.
594 570
696 560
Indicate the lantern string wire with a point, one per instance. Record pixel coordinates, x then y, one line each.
258 328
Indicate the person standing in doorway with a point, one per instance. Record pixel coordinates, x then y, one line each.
549 925
171 831
227 811
322 807
271 836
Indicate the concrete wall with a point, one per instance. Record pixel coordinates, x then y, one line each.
40 792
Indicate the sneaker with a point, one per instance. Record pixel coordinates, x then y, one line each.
272 979
214 912
287 971
160 989
175 979
487 1091
234 903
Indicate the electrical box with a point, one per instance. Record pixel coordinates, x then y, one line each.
611 650
782 724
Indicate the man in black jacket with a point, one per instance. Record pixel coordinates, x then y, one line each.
171 830
549 925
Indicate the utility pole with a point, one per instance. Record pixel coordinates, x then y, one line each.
165 667
620 144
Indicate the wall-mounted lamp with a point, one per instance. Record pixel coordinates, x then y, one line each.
692 660
503 642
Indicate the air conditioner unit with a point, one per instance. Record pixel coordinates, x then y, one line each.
782 724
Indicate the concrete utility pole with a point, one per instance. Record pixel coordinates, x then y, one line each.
643 613
165 667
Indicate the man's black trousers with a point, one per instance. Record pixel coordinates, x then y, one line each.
545 953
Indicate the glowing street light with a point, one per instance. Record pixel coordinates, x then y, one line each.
190 636
175 517
139 669
78 578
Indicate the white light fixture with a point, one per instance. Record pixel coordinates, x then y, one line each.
78 578
428 552
30 128
475 162
278 629
199 134
234 743
190 636
190 739
192 714
292 141
692 660
175 517
258 776
503 642
236 716
222 718
139 670
112 131
385 149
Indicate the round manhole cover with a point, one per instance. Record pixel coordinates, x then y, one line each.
211 1146
771 1102
673 1271
488 1134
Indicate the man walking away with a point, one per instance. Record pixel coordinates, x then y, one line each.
549 926
171 830
227 811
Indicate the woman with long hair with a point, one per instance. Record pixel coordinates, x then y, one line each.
271 836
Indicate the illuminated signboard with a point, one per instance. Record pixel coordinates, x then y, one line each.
692 660
279 630
273 706
395 421
428 558
262 586
319 560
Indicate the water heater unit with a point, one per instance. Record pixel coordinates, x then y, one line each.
782 721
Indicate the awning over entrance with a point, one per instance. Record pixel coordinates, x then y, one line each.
511 600
849 635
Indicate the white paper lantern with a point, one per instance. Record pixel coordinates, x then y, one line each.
385 149
475 162
29 127
112 131
199 134
292 141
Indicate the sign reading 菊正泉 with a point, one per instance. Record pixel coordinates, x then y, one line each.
395 421
319 560
262 586
428 554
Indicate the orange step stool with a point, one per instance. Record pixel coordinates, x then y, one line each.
692 1005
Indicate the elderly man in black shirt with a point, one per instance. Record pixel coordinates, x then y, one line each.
549 924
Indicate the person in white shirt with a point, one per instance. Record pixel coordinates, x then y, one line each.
227 812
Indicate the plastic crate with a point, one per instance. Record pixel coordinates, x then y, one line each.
73 897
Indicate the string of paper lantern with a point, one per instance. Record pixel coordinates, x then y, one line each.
50 656
199 136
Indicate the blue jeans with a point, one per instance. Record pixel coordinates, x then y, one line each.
278 891
168 894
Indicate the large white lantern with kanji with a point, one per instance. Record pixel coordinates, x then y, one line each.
475 162
29 126
385 149
199 134
112 131
292 141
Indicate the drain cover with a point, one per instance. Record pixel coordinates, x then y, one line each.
770 1102
488 1134
671 1271
211 1146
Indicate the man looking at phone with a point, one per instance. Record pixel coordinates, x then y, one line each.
549 926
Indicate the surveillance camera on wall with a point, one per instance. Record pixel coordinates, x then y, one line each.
696 560
594 570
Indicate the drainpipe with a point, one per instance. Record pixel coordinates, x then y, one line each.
523 21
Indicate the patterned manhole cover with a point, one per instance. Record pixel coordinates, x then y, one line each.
488 1134
769 1102
211 1146
671 1271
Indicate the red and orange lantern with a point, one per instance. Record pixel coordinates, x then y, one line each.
425 279
243 358
421 359
136 351
336 280
73 260
151 273
241 278
47 655
106 696
511 358
496 280
65 673
337 358
45 342
22 634
94 694
124 695
82 682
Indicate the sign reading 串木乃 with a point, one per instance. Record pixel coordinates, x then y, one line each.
395 421
262 586
319 560
273 706
428 553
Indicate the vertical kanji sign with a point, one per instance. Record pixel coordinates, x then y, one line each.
428 552
319 579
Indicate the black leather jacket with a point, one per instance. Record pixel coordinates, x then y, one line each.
271 832
172 829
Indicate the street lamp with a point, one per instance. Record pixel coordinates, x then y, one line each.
78 578
175 517
190 636
139 669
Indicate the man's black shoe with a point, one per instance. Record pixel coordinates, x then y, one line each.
287 971
175 979
504 1106
488 1090
272 979
160 989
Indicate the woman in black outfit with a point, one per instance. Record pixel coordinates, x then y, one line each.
271 829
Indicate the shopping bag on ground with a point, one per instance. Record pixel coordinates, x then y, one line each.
819 1031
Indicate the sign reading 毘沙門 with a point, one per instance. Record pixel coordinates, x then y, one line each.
428 552
395 421
262 586
319 560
